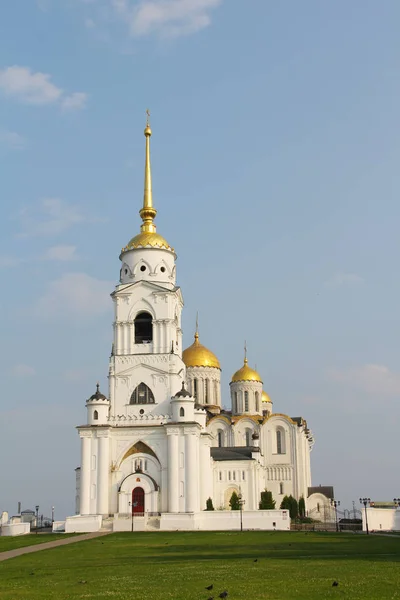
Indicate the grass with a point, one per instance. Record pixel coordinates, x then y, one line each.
178 566
20 541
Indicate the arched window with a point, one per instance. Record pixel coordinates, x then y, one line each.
142 395
281 488
195 388
220 438
257 402
248 437
280 441
246 401
95 416
215 392
143 328
235 403
182 412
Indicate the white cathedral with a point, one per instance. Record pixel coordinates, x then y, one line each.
160 445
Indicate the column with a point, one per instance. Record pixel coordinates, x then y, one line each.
161 331
85 472
206 477
191 472
173 471
155 337
117 338
103 473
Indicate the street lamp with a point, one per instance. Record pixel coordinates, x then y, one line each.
241 503
336 503
52 515
396 502
37 517
133 505
366 501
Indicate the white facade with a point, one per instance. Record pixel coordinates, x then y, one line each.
160 443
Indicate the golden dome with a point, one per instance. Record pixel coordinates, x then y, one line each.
198 355
246 374
146 239
265 397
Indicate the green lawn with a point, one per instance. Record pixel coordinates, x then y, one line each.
178 566
19 541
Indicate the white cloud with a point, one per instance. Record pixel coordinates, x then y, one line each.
372 379
75 101
165 18
36 88
12 140
61 253
22 371
51 216
340 279
75 295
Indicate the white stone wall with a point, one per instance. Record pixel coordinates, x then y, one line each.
381 519
208 384
242 390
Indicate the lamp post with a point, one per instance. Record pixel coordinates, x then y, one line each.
241 503
396 502
52 515
37 517
132 505
335 504
366 501
354 509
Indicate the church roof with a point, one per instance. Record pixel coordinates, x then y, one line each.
246 374
97 395
325 490
232 453
198 355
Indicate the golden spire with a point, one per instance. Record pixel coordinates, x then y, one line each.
245 353
196 335
148 212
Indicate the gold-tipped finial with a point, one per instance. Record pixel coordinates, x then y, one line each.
196 335
245 353
148 212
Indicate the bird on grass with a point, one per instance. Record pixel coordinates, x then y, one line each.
223 594
209 587
255 560
83 581
335 584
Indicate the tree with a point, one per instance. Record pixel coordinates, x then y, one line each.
209 504
302 508
289 503
234 502
267 502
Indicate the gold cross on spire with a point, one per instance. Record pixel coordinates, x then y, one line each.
245 351
147 117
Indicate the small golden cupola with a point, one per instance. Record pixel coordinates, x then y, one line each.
203 374
148 236
265 397
246 373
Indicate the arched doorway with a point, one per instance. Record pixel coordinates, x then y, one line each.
138 500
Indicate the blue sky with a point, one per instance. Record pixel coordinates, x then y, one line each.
275 155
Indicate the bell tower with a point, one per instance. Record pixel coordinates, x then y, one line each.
146 367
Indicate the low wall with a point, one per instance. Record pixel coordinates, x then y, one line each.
59 526
15 529
220 520
83 524
382 519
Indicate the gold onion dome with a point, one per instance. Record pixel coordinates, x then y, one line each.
265 397
246 374
148 237
198 355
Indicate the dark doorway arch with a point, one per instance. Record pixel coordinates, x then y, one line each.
138 500
143 328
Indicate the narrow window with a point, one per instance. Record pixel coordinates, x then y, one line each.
143 328
215 392
246 401
248 437
182 412
279 441
235 403
195 388
142 395
145 465
234 475
95 416
220 438
281 488
206 391
229 475
220 476
257 402
243 476
318 507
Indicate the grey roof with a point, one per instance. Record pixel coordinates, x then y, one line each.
183 393
326 490
298 420
232 453
98 395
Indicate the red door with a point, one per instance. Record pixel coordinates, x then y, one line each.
138 500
